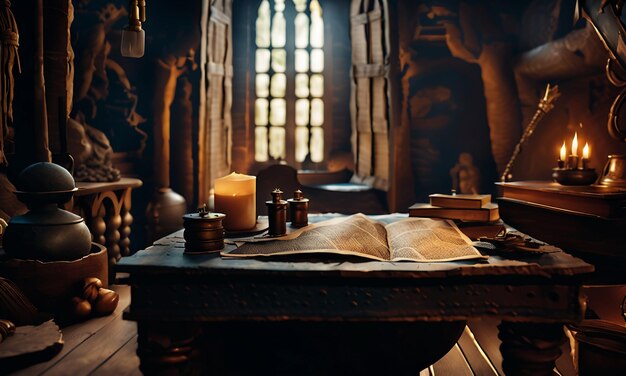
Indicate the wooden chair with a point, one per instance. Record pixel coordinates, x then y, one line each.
327 196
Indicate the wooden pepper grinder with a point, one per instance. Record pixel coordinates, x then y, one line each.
298 209
277 214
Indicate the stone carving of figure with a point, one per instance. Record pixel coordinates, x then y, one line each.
465 176
89 146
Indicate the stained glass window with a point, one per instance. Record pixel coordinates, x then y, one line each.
275 79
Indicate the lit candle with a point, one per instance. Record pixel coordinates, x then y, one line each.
235 196
572 160
562 156
586 155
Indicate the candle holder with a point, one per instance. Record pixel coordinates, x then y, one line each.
574 176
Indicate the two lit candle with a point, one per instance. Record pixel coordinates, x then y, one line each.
572 160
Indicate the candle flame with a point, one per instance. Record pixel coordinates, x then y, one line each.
575 144
586 151
563 153
547 93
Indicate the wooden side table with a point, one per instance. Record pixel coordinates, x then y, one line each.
106 209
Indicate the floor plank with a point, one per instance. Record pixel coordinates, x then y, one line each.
565 364
96 350
125 362
475 355
75 335
453 363
486 333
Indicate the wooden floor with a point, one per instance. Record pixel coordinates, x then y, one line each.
107 345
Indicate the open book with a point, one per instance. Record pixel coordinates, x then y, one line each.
406 239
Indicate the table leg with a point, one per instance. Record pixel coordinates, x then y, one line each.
530 348
166 348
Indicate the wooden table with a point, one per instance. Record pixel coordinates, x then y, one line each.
309 317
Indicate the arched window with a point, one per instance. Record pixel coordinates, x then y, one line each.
289 81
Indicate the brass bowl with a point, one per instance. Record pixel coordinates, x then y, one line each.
579 176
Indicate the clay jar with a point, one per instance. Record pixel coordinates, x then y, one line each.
46 232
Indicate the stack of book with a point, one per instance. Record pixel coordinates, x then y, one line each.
476 216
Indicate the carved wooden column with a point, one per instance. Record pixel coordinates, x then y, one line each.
167 348
106 209
530 348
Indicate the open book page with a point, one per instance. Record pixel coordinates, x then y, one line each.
355 235
426 240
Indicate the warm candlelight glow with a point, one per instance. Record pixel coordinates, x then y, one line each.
235 196
575 144
586 151
563 153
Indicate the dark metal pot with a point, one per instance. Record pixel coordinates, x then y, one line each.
46 232
204 231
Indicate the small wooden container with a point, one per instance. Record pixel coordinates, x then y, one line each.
51 285
204 232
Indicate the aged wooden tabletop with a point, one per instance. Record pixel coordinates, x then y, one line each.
544 287
166 256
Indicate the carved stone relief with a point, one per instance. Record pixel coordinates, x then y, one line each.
104 117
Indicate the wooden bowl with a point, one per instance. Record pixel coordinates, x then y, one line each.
51 285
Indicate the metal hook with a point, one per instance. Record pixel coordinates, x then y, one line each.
613 124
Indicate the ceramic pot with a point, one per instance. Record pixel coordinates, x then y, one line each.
51 285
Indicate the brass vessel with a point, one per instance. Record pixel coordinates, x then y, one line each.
46 232
204 231
614 173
